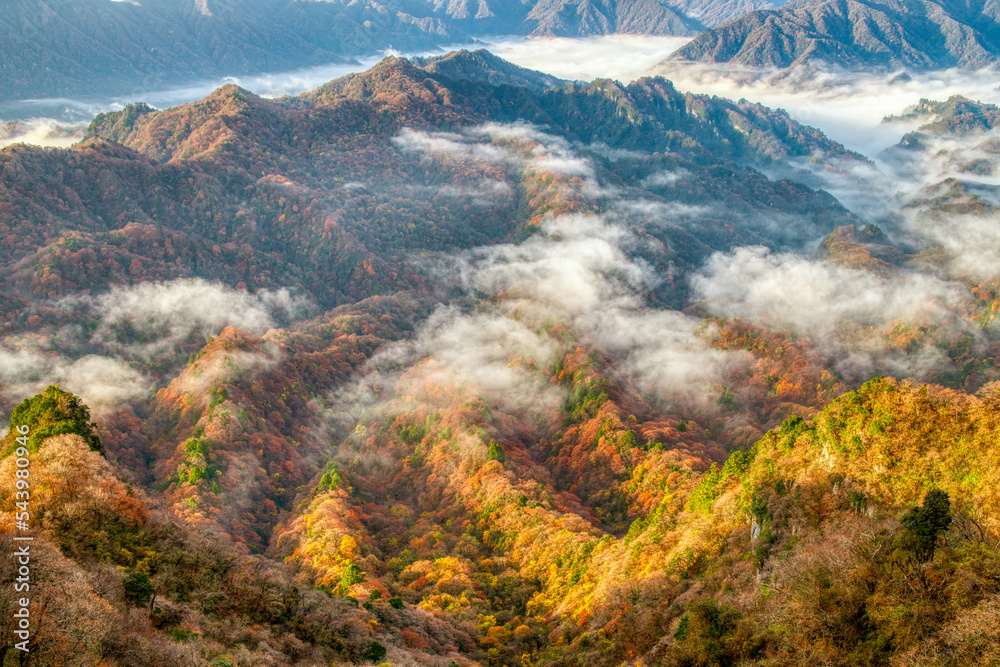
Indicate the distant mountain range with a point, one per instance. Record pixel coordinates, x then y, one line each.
95 48
856 34
76 48
68 48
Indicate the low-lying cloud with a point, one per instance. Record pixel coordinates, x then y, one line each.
574 271
621 57
814 297
849 313
148 319
103 383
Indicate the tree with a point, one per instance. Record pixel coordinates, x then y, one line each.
924 524
496 452
138 589
375 653
53 412
352 575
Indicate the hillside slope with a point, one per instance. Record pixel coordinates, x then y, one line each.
855 34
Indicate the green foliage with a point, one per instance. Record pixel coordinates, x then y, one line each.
704 494
924 524
181 634
706 633
375 652
219 395
138 589
790 430
727 401
331 479
396 602
352 575
198 457
683 628
53 412
628 440
738 462
857 501
584 400
496 452
758 507
196 447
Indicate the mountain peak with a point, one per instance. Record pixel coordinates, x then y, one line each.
855 34
483 66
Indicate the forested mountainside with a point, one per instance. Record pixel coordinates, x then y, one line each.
855 34
449 363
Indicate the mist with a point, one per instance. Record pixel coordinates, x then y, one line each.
150 320
624 58
574 272
847 106
815 297
102 382
61 122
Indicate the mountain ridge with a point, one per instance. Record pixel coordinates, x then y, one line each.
96 48
854 34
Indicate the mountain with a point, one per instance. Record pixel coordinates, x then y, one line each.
891 34
94 48
711 13
563 18
448 362
62 48
483 66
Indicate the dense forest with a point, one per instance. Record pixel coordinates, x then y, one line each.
451 363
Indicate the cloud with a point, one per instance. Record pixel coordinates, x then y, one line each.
848 106
486 193
575 271
661 178
152 318
101 382
621 57
453 144
664 213
971 242
848 312
41 132
228 366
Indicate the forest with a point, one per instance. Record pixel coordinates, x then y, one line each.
446 364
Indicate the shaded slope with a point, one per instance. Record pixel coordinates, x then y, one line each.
918 34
